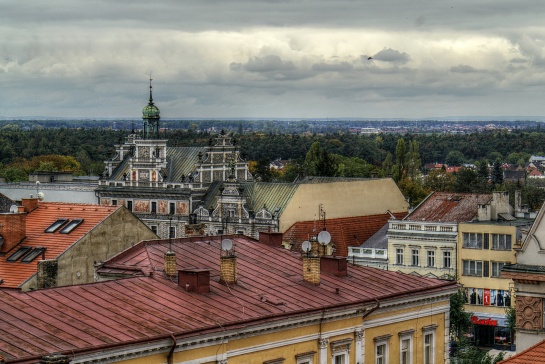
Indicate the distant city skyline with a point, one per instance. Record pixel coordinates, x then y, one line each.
273 59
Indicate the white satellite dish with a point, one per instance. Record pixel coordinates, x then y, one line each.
324 237
226 245
13 209
306 246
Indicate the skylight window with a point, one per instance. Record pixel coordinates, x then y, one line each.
71 226
57 224
22 251
33 255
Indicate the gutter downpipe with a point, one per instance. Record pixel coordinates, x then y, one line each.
170 355
371 310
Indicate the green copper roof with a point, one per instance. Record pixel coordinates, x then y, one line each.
150 111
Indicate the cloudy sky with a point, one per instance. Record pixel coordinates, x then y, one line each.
272 58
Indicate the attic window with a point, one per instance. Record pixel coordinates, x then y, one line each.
57 224
33 255
71 226
22 251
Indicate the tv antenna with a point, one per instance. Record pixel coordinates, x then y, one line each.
227 246
306 246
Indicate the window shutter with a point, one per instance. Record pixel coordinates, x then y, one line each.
486 272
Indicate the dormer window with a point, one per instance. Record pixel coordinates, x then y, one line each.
71 226
33 255
56 225
22 251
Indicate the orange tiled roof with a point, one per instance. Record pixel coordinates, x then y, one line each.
345 232
16 273
534 354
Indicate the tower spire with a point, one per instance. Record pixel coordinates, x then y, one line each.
150 96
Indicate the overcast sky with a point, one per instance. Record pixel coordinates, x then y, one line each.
272 59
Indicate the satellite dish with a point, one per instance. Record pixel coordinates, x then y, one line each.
226 245
13 209
324 237
307 246
41 196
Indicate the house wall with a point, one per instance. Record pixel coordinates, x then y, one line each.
115 234
349 334
343 199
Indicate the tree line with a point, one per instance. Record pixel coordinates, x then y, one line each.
342 154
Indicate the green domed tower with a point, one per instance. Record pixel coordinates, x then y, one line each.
150 115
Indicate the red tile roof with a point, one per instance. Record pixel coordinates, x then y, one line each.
345 232
16 273
269 286
449 207
534 354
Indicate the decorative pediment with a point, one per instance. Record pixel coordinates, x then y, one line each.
263 214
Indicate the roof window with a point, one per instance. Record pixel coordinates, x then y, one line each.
22 251
71 226
33 255
57 224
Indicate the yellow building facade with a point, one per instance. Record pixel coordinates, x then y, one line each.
484 248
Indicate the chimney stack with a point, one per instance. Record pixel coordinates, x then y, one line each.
311 269
29 204
170 263
12 229
228 269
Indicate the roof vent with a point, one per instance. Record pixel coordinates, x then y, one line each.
194 280
334 265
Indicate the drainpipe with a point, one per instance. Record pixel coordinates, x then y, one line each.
171 352
371 310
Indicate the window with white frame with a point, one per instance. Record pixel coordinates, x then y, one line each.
340 350
447 260
381 354
501 242
381 349
406 347
430 258
473 240
496 268
472 268
399 256
429 347
340 358
414 257
305 358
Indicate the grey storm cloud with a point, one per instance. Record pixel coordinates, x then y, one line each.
463 68
270 63
263 58
391 55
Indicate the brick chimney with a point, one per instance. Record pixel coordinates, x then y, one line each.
170 263
29 204
12 230
194 280
337 266
311 270
228 269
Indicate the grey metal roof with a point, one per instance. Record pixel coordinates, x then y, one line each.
378 240
181 161
271 195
